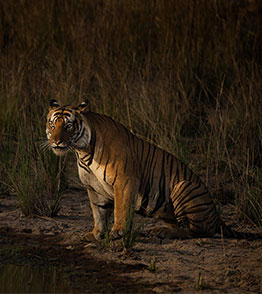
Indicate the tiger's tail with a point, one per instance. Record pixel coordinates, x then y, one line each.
227 232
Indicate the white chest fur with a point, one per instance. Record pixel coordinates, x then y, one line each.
93 178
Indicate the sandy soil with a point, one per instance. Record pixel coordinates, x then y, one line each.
207 265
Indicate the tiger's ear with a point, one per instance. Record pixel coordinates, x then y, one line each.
84 106
53 104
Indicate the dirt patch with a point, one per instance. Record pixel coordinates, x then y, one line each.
210 265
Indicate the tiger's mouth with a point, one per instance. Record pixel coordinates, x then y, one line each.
60 150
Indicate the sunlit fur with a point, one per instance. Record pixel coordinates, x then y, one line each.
122 171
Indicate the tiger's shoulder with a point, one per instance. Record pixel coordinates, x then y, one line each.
106 128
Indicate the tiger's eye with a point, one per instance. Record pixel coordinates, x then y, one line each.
69 126
52 126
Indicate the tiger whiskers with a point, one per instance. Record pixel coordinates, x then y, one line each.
44 145
71 148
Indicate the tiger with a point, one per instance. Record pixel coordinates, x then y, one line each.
123 172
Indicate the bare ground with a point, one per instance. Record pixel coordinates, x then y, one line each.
207 265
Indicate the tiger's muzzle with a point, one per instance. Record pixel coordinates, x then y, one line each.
59 148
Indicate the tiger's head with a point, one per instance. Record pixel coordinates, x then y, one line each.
65 128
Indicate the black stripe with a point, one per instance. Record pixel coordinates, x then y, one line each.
113 163
177 171
145 198
114 178
182 205
93 145
128 134
104 206
81 132
57 114
149 166
209 224
63 109
209 204
181 198
144 169
125 165
126 182
116 124
186 211
180 171
83 166
194 224
153 168
163 175
102 154
188 217
153 154
106 168
191 173
148 152
214 221
141 181
193 197
161 187
84 157
181 189
133 141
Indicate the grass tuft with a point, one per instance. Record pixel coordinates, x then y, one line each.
37 180
152 265
129 234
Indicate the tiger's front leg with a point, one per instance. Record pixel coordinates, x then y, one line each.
125 191
101 210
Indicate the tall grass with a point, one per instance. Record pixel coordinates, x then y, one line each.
36 178
31 173
182 74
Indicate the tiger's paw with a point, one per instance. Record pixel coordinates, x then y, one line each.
116 234
94 236
90 237
163 233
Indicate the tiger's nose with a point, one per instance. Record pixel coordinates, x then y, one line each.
58 143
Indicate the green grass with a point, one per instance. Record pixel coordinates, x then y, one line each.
34 175
185 75
129 234
199 282
152 265
107 240
28 170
